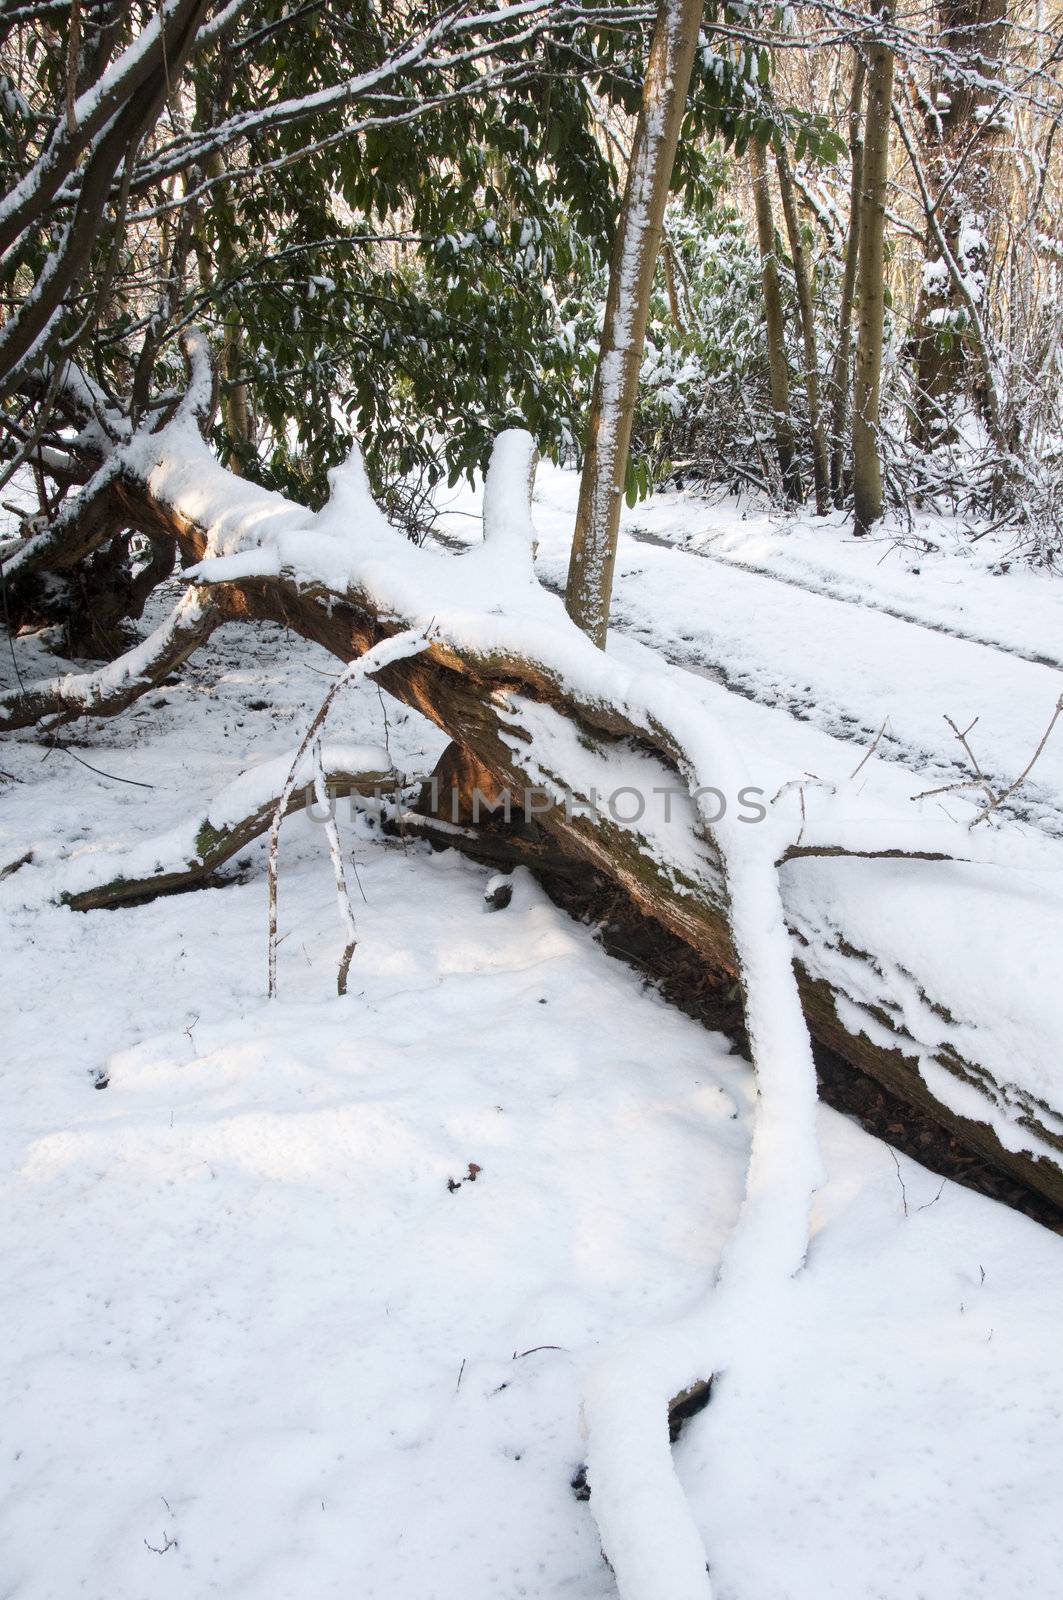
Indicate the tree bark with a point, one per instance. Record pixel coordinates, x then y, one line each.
840 377
671 283
806 309
962 127
234 398
631 274
870 275
774 327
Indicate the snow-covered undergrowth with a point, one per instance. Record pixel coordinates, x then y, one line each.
245 1312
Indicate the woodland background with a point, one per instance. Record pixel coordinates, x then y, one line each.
395 222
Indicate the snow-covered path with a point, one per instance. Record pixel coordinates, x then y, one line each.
822 636
980 622
850 670
931 574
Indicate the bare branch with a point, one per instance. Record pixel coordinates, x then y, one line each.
994 798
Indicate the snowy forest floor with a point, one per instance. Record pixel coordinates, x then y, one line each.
255 1344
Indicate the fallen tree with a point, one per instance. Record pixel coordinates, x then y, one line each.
544 720
497 677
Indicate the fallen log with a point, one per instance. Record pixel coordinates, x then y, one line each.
865 1005
192 853
531 707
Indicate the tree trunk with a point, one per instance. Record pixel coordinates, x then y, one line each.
803 281
840 377
631 274
870 277
233 396
962 126
774 327
671 283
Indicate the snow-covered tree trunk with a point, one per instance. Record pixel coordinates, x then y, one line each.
963 117
840 387
634 262
531 703
476 644
870 276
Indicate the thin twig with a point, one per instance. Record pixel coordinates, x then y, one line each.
342 894
994 800
983 781
1021 779
408 643
928 1203
870 750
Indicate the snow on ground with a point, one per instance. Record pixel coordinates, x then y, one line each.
256 1346
935 570
801 617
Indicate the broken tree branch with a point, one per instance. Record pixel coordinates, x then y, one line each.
321 795
104 693
191 854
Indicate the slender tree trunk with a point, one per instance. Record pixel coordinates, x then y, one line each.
870 282
235 404
803 281
967 290
631 273
774 326
671 284
843 355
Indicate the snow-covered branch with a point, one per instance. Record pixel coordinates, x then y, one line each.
192 852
